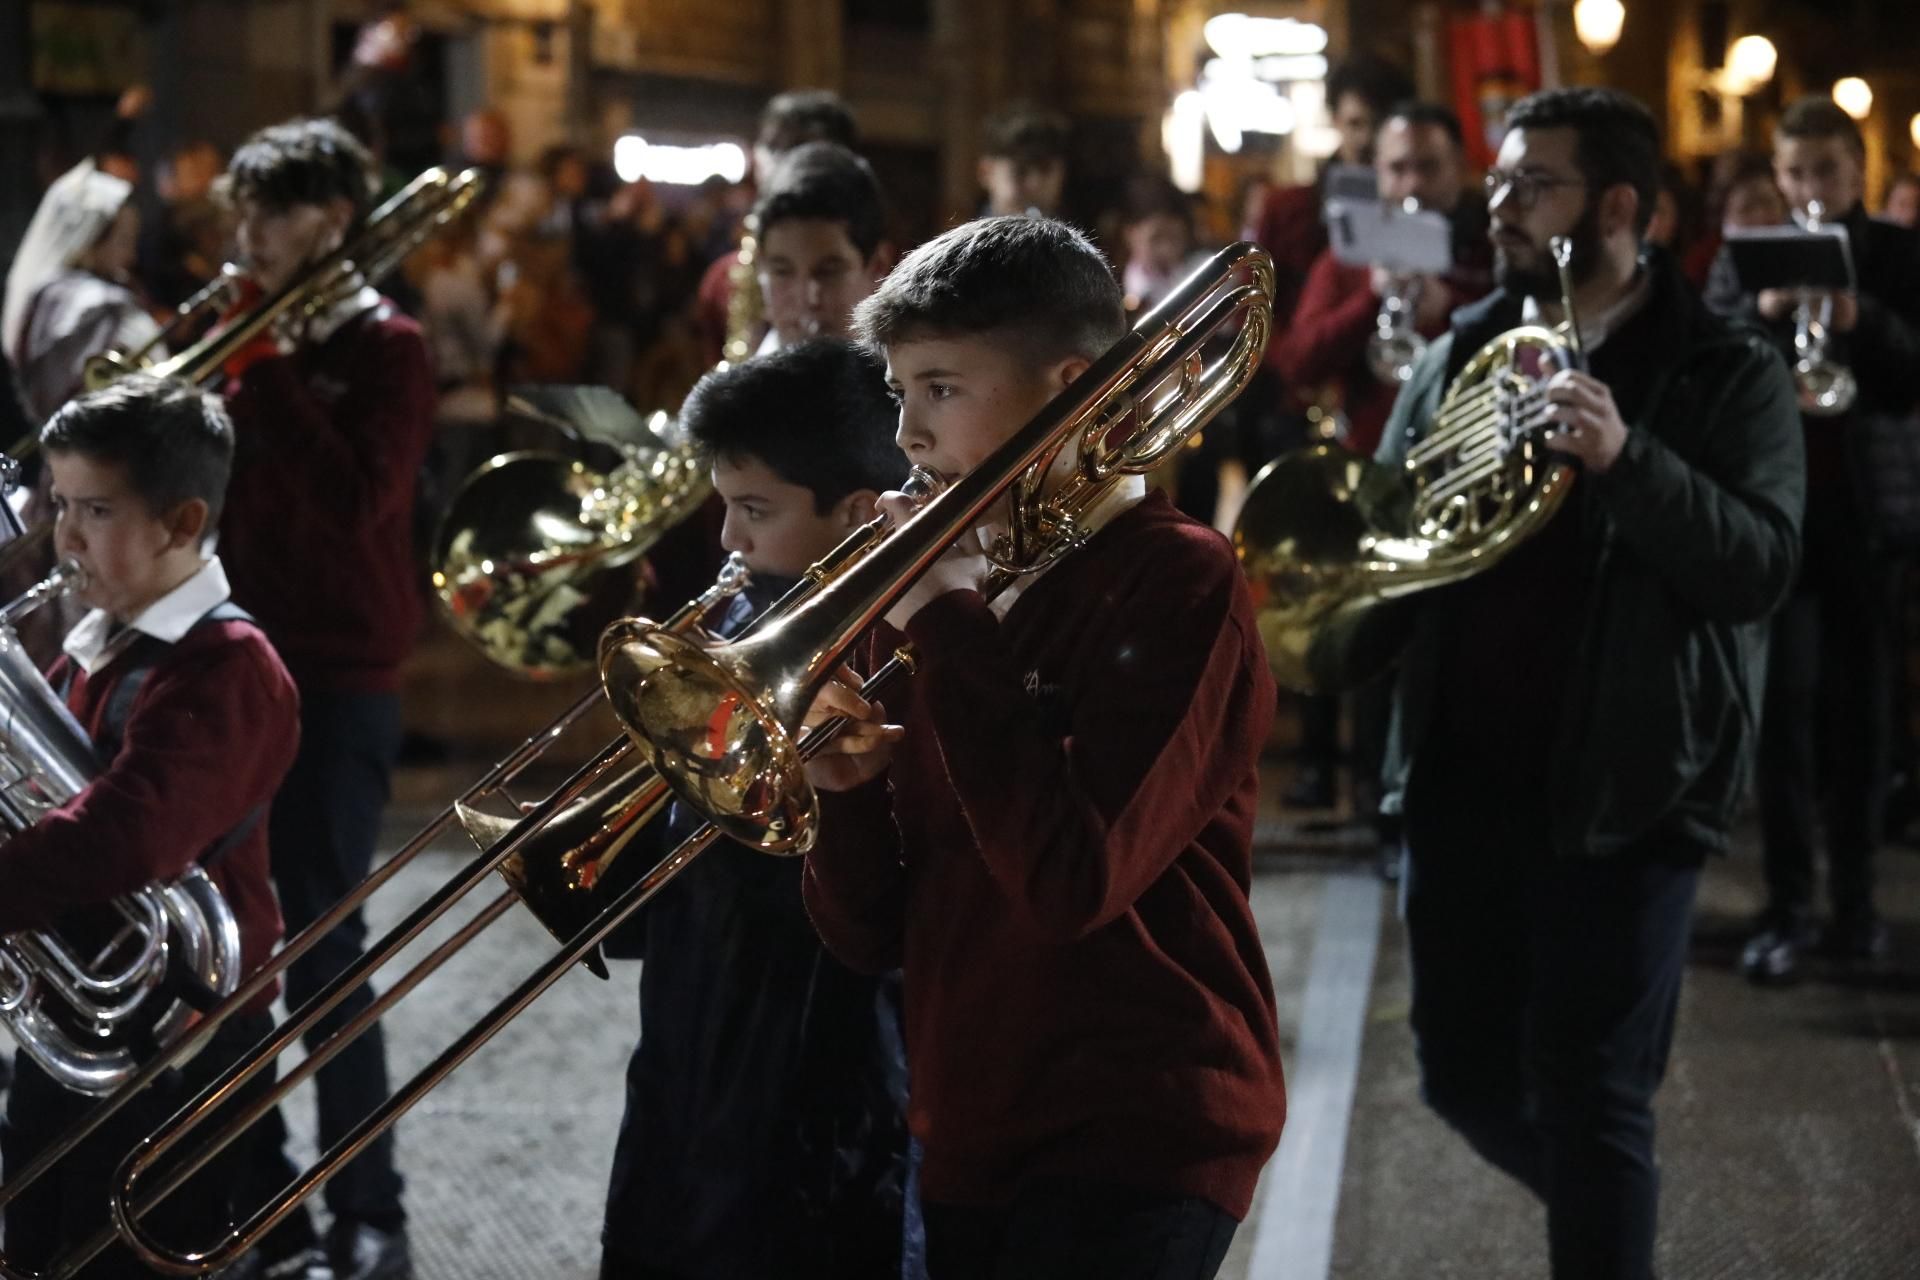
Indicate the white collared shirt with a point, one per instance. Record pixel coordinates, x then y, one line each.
1595 330
95 642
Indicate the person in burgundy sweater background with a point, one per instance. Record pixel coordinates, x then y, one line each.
332 424
1417 155
1054 840
1288 224
191 755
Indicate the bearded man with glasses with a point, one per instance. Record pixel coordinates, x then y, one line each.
1576 724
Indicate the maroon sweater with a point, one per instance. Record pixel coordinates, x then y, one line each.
318 532
206 742
1328 338
1060 858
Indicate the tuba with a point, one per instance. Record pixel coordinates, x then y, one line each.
90 1000
1328 538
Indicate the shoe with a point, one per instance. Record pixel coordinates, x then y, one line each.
1312 789
362 1252
1858 937
1776 955
308 1264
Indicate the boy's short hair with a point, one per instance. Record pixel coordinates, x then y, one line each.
806 115
817 414
1038 283
1028 135
825 181
1817 116
175 441
1618 140
312 161
1417 113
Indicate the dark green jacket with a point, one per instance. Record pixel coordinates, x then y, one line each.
1695 531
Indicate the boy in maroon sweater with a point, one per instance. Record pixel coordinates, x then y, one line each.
195 721
1055 839
333 422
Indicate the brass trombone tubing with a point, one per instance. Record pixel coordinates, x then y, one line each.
127 1211
125 1225
453 192
258 984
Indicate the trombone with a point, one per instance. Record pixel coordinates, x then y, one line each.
1132 409
391 232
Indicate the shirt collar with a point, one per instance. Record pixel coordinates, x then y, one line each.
1595 330
333 319
96 641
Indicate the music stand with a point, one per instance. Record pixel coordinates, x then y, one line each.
1791 258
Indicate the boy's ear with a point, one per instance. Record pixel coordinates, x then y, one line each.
339 215
856 509
1069 370
187 523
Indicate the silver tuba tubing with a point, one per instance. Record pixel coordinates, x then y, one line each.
85 1008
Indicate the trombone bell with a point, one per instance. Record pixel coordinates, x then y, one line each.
704 720
559 873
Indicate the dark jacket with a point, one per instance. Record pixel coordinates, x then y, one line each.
1694 534
765 1130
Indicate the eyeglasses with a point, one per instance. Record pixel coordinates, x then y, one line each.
1525 186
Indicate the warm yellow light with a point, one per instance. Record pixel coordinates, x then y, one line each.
1598 23
1913 130
1750 63
1854 97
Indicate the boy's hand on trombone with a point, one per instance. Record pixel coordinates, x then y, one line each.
961 567
863 748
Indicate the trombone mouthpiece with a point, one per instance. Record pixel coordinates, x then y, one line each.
922 484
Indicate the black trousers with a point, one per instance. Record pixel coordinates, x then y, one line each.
1061 1229
69 1205
1828 717
325 825
1544 997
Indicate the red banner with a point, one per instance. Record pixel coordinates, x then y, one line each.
1496 62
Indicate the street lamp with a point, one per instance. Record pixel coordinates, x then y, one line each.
1854 96
1598 23
1750 63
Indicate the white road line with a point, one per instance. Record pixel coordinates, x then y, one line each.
1301 1194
